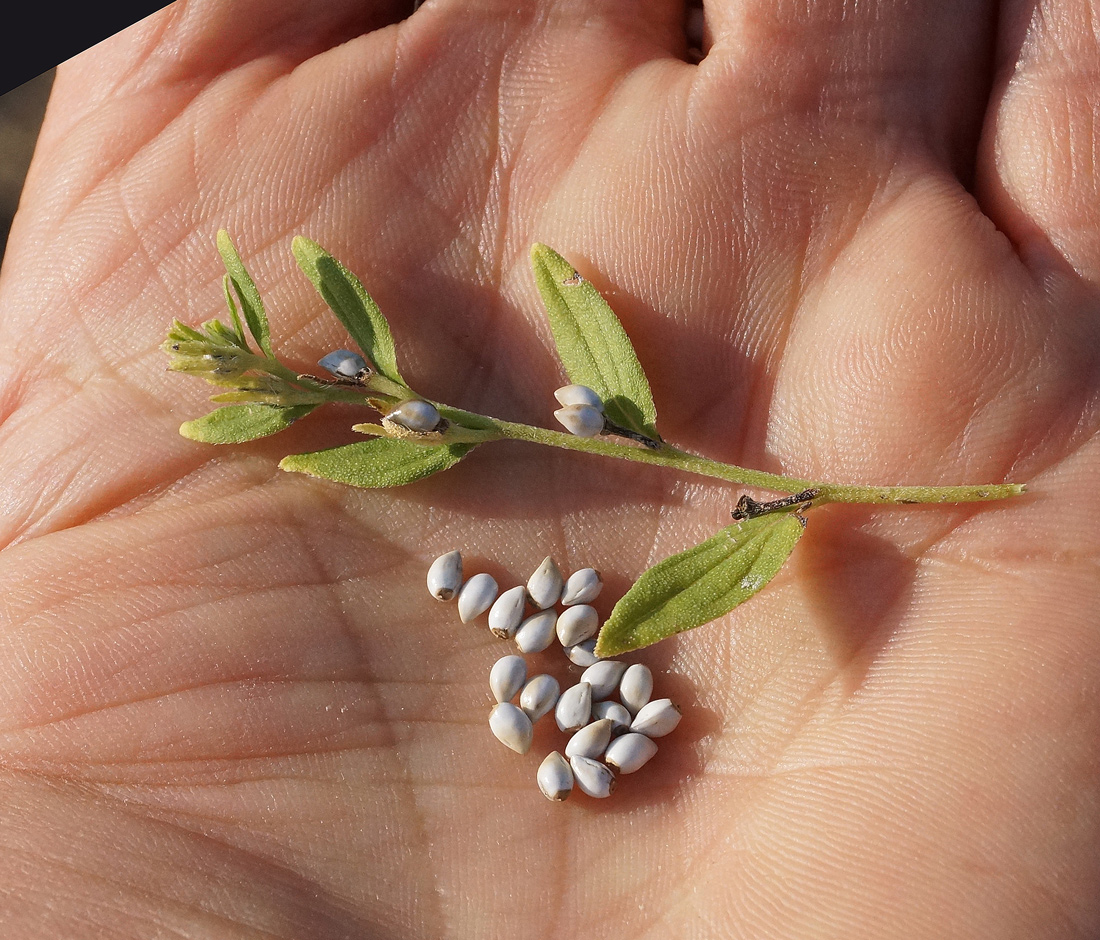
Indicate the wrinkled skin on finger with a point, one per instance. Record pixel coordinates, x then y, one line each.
228 705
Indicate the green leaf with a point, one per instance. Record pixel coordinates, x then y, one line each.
353 306
592 343
379 462
247 294
700 584
235 424
236 317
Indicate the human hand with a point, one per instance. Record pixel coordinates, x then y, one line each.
228 706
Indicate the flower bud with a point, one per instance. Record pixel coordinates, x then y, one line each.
581 420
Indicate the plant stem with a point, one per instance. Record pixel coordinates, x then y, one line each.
490 429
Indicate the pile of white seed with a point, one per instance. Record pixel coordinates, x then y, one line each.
607 737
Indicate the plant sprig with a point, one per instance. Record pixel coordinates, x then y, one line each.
684 591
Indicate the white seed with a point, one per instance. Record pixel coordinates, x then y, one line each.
544 586
583 654
539 696
591 740
415 415
582 587
636 687
577 623
574 707
629 752
578 395
344 363
476 596
511 727
507 676
506 614
555 777
536 633
620 717
445 576
580 420
656 719
592 777
604 677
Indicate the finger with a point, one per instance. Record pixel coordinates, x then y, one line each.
1039 163
917 65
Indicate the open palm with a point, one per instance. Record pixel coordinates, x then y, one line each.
858 243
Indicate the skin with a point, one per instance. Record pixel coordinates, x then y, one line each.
857 242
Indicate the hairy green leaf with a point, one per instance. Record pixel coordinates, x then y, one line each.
379 462
700 584
592 343
247 294
235 424
234 315
353 306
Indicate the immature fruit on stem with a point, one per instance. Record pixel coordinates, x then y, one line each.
415 415
579 395
445 576
580 420
476 596
345 364
511 727
555 777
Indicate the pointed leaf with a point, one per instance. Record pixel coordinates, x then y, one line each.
353 306
235 424
379 462
700 584
247 294
234 315
592 343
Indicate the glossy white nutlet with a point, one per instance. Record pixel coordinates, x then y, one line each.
476 596
578 395
574 707
511 727
592 777
583 654
580 420
577 623
445 576
591 740
506 614
536 633
507 677
539 696
636 687
555 777
582 587
344 363
604 677
415 415
620 717
629 752
544 586
657 718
